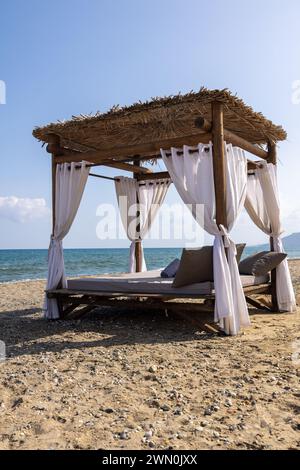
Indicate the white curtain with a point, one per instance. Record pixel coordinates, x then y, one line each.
145 197
262 204
70 183
192 174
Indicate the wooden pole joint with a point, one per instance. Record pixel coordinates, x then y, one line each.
231 137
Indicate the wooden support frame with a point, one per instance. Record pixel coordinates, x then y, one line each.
272 158
219 163
215 131
232 138
129 167
119 153
138 243
55 142
85 301
154 176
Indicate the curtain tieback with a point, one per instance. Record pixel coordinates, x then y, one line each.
276 235
228 242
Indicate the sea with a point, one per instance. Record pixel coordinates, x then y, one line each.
23 265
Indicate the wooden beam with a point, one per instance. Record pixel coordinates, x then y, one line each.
144 149
53 146
244 144
219 162
111 164
272 153
129 167
55 142
153 176
232 138
204 124
257 304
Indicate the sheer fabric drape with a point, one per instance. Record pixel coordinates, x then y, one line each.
262 205
192 174
71 179
144 197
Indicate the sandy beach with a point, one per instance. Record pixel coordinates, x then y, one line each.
134 380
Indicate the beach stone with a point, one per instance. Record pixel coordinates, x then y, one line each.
165 407
154 403
17 402
109 410
148 434
199 429
204 423
152 369
263 423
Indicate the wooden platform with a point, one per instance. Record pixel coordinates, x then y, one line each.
74 304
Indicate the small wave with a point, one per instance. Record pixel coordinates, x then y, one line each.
14 281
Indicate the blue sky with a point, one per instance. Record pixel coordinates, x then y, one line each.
59 58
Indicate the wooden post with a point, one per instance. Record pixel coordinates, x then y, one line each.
219 162
272 153
273 283
272 158
218 152
53 191
138 244
54 148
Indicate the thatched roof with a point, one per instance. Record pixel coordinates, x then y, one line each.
160 118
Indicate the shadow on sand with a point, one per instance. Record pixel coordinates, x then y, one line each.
26 332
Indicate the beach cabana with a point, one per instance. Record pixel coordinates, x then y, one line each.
202 139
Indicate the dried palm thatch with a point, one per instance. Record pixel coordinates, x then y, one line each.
158 119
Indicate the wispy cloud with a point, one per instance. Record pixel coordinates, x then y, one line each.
22 209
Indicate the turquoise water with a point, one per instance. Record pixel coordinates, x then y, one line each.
18 265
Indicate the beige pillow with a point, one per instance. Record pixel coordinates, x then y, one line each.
196 265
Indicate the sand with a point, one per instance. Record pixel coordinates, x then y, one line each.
134 380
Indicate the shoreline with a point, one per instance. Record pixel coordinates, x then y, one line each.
15 281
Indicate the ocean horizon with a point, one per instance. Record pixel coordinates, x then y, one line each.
31 264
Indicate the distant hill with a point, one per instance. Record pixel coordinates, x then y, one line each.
290 243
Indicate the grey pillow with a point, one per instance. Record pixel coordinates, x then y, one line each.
239 251
196 265
171 269
260 264
267 262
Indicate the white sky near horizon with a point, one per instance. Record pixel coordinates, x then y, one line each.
59 58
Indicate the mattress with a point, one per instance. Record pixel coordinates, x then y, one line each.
149 282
